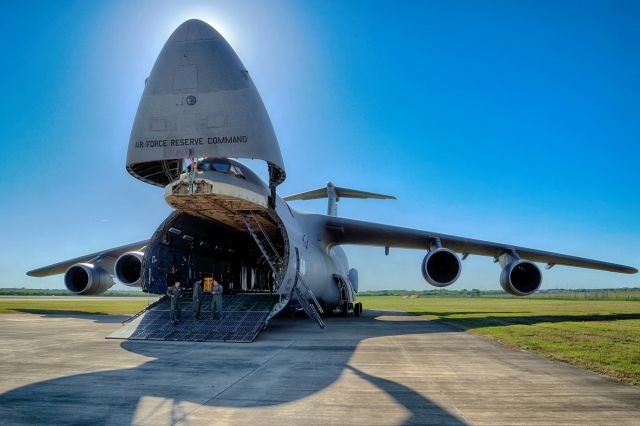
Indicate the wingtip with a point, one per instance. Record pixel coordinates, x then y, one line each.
624 269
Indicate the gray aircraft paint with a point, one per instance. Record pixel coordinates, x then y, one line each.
200 101
197 62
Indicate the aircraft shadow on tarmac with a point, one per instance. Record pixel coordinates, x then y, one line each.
270 372
99 317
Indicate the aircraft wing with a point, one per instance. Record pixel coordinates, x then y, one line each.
349 231
61 267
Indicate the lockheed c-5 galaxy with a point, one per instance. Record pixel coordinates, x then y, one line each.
198 115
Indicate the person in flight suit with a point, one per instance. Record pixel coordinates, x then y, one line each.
197 298
216 300
175 295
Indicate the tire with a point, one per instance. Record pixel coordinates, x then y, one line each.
358 309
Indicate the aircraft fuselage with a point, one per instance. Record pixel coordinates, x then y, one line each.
222 207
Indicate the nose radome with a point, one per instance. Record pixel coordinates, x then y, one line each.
194 30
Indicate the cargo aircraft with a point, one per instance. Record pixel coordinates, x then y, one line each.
199 114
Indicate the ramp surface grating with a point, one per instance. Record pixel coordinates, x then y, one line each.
243 317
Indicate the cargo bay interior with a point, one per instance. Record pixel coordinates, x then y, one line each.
188 246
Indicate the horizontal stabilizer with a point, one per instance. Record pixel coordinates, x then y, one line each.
340 192
333 194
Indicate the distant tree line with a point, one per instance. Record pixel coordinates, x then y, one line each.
625 293
429 293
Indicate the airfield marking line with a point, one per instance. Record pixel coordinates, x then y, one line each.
245 376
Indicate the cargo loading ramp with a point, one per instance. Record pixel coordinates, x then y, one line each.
243 317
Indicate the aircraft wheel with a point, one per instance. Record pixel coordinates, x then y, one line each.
344 310
358 309
350 310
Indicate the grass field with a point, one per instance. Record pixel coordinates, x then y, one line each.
602 336
72 305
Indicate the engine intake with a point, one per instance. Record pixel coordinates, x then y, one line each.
441 267
521 278
87 279
128 268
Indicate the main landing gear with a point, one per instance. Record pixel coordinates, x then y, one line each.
357 309
348 309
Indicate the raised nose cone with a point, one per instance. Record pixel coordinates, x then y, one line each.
196 59
199 101
194 29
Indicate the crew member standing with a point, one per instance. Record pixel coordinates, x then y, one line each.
175 294
197 298
216 300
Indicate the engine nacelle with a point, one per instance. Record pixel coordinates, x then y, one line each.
128 268
87 279
441 267
520 278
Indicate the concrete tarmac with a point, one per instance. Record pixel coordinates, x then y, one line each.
385 368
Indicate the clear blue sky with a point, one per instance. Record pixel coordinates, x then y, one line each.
516 122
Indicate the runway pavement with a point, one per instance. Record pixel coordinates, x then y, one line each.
383 368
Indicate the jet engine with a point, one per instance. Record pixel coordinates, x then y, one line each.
441 267
520 278
128 268
87 279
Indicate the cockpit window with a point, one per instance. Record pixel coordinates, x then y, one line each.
202 166
218 165
236 171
